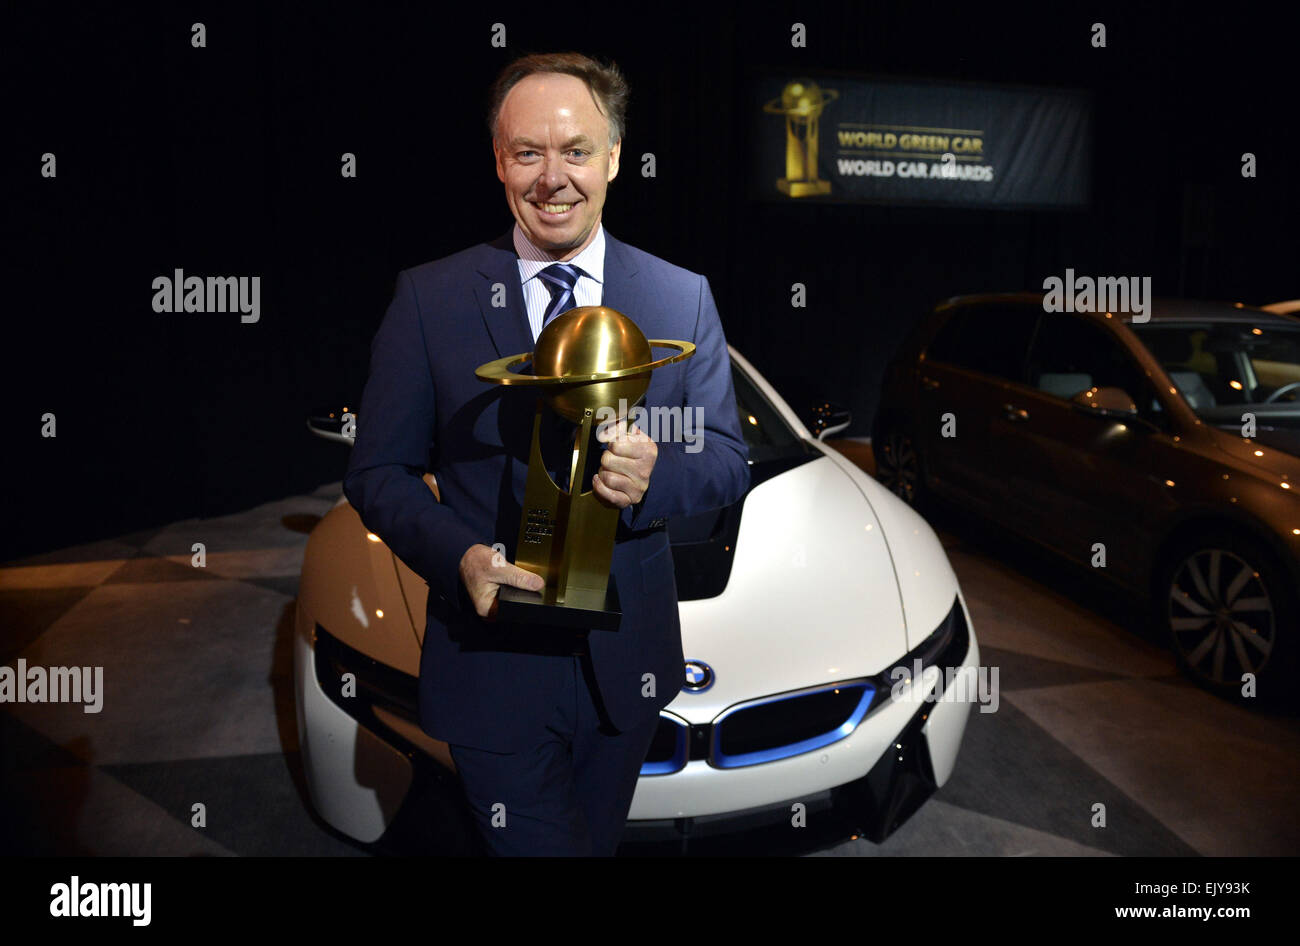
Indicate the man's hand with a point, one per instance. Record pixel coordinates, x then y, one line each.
483 570
626 466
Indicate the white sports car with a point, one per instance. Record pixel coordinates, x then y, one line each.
817 613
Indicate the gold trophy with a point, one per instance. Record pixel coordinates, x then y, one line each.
801 103
590 363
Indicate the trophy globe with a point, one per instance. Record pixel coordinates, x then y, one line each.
590 365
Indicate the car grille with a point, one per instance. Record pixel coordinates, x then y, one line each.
782 726
668 747
789 724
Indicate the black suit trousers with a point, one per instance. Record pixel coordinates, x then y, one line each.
569 792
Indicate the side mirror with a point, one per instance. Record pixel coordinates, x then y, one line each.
337 425
1107 402
828 418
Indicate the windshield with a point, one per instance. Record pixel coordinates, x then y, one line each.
765 432
1220 366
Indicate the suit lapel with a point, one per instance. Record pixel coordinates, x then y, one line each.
508 325
620 291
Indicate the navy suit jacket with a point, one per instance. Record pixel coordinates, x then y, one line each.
485 683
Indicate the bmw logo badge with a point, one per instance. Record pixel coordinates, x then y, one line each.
699 676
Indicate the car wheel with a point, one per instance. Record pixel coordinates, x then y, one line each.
898 464
1228 611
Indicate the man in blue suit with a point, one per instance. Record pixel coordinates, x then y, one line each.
548 729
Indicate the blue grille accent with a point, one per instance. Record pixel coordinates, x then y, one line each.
677 761
722 760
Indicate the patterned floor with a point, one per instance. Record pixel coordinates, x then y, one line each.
198 709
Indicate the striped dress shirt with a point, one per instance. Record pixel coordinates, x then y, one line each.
537 295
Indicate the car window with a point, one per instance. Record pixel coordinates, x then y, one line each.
990 339
762 427
1274 358
1070 355
1216 366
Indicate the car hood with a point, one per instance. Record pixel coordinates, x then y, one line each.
812 597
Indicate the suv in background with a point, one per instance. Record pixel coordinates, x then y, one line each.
1167 451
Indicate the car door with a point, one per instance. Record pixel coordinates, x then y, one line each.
962 382
1078 477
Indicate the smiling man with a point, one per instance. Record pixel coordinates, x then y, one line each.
547 729
554 170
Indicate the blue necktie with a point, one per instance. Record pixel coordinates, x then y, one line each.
560 278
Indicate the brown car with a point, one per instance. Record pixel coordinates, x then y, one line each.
1163 454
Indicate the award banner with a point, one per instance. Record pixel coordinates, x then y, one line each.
855 140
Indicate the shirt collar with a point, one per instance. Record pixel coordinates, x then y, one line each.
532 260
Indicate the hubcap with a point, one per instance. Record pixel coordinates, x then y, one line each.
897 467
1221 616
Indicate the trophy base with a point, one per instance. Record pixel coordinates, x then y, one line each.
803 188
583 608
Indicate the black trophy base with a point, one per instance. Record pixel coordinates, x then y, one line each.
582 609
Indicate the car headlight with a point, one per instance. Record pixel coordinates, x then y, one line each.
946 647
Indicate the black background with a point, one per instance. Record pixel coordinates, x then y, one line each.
225 161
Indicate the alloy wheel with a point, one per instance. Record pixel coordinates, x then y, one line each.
1221 616
898 467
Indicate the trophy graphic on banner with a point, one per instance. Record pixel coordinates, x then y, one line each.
801 103
590 363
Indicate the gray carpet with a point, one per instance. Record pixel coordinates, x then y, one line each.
198 710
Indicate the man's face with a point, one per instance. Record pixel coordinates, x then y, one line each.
553 155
